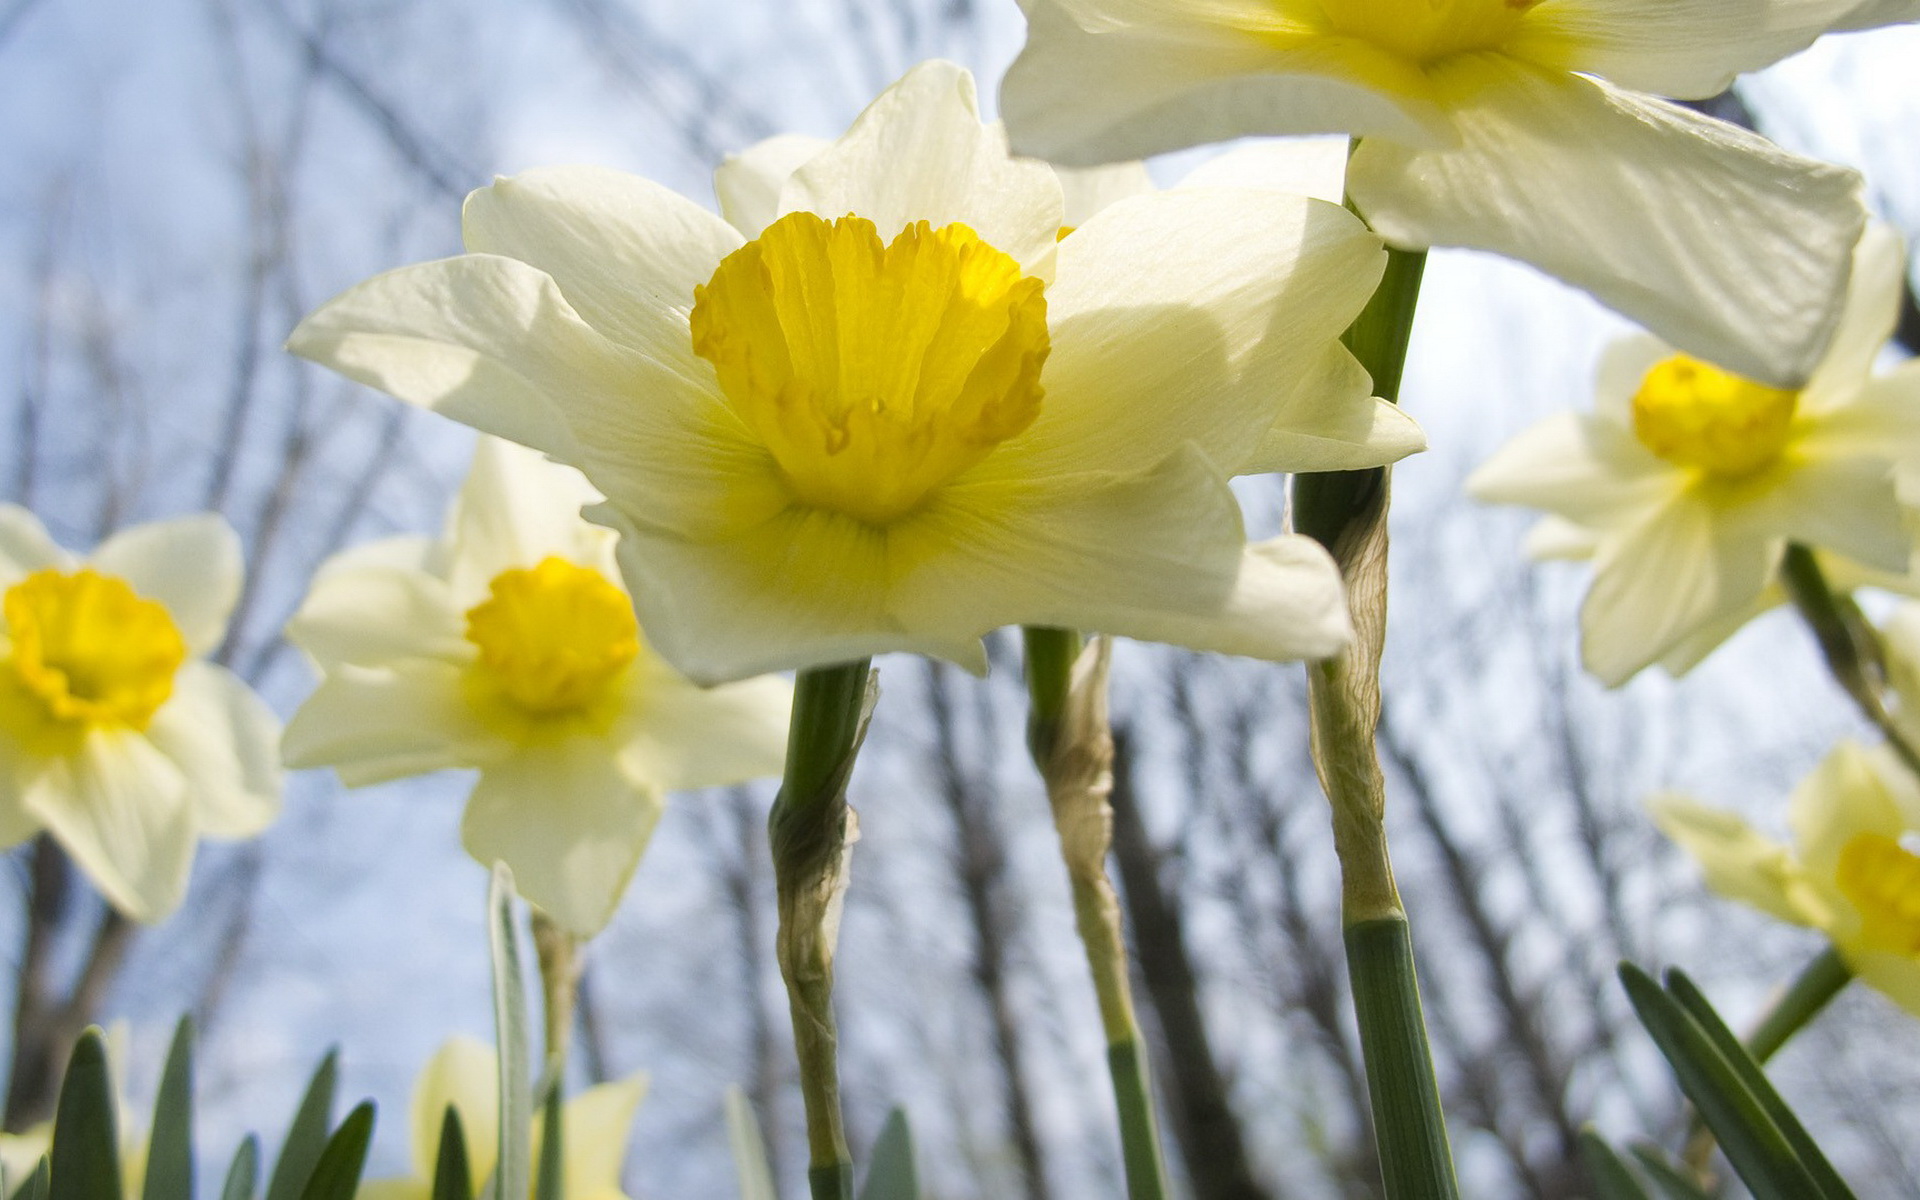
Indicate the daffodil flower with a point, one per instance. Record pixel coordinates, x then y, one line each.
508 645
902 413
116 735
462 1075
1853 872
1686 482
1530 128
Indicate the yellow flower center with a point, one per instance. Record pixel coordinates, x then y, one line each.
1882 879
1421 32
1694 414
553 637
91 649
873 373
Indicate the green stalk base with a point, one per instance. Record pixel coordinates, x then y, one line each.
831 1182
1139 1133
1818 982
1409 1129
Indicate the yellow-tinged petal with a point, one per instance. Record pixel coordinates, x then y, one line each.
748 184
120 807
1739 862
1584 468
920 153
1844 797
1689 51
1328 419
571 819
598 1126
1133 89
226 743
1867 319
1847 505
514 510
368 616
1087 190
1732 249
1661 580
1314 166
375 724
682 736
463 1074
624 251
1895 975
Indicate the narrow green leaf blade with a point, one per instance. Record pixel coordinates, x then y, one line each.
85 1159
513 1175
336 1174
749 1149
307 1136
170 1152
551 1182
891 1173
1611 1178
244 1172
452 1173
39 1183
1695 1002
1671 1182
1753 1143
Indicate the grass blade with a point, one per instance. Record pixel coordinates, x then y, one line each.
307 1136
170 1152
1611 1178
452 1173
336 1175
85 1159
1671 1182
244 1171
892 1174
749 1149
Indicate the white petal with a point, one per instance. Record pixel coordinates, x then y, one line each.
1716 240
226 742
748 184
680 735
570 820
189 564
25 546
1583 468
1133 89
1843 798
516 509
920 153
1624 365
1661 581
120 808
599 1127
801 589
372 726
626 252
1871 14
1738 861
1087 190
485 340
1690 51
375 615
1867 320
1159 556
1330 420
1842 504
1189 316
1558 538
1693 649
1309 166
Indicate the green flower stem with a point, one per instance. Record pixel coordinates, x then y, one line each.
1072 745
811 830
1346 511
1818 982
1847 642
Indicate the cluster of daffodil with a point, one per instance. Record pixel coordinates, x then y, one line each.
910 388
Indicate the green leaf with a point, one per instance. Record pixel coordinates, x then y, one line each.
749 1149
1691 998
551 1184
1610 1177
452 1174
307 1136
513 1176
1755 1145
891 1174
85 1159
170 1152
1672 1183
336 1175
244 1171
39 1183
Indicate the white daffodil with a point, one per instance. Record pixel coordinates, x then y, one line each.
1685 483
510 646
1526 127
462 1075
1852 873
902 414
116 735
